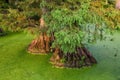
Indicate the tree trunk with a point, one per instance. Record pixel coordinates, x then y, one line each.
41 45
81 58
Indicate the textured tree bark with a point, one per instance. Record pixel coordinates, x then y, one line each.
40 45
82 57
56 58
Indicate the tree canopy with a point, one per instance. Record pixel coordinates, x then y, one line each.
73 26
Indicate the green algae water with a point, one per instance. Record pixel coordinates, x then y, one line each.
17 64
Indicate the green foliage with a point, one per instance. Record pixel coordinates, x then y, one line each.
74 27
43 3
107 12
10 21
20 16
68 40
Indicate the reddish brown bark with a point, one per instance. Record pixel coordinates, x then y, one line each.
42 43
56 58
81 58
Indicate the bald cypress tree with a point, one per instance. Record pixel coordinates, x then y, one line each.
66 26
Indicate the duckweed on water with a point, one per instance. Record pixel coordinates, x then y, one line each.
17 64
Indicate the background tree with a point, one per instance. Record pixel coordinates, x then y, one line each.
117 4
20 15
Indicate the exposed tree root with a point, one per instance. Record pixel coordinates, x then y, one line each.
56 58
81 58
41 45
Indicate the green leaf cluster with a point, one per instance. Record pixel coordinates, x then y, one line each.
74 27
68 40
23 14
